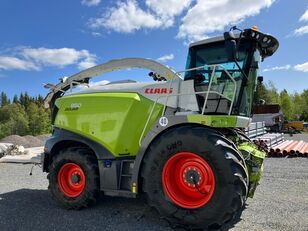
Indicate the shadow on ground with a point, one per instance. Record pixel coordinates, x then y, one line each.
27 209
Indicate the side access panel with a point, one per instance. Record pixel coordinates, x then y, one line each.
114 120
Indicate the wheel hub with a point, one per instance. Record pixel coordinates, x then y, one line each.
188 180
75 178
71 180
191 177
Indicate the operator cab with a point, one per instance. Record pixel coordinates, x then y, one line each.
224 70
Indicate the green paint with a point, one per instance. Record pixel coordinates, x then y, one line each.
115 120
218 121
254 160
251 148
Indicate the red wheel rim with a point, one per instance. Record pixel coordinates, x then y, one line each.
71 179
180 174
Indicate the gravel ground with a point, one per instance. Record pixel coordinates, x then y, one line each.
302 136
26 141
280 203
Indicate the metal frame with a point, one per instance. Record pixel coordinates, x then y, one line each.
113 65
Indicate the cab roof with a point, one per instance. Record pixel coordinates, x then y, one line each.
267 44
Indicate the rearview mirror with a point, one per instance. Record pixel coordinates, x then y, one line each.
260 79
230 44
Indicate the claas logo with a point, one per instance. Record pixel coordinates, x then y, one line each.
163 90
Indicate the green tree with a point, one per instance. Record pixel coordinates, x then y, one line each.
272 93
27 101
298 106
304 96
261 94
4 99
22 99
286 104
40 100
13 120
39 121
15 99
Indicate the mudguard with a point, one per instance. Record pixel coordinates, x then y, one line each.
64 137
254 160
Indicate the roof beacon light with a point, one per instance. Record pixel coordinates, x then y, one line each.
255 28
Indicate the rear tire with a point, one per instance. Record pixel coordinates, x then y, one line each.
74 178
210 148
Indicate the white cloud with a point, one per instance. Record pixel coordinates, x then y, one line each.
301 67
165 58
96 34
27 58
204 17
303 29
208 16
300 31
87 62
167 10
127 17
90 2
91 84
13 63
59 57
277 68
304 17
99 83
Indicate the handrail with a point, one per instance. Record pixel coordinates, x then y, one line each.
152 109
209 88
195 93
210 84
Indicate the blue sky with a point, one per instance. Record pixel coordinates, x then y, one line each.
43 40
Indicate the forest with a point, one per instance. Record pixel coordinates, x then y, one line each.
23 115
293 105
26 115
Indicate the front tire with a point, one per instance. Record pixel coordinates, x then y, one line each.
192 152
74 178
